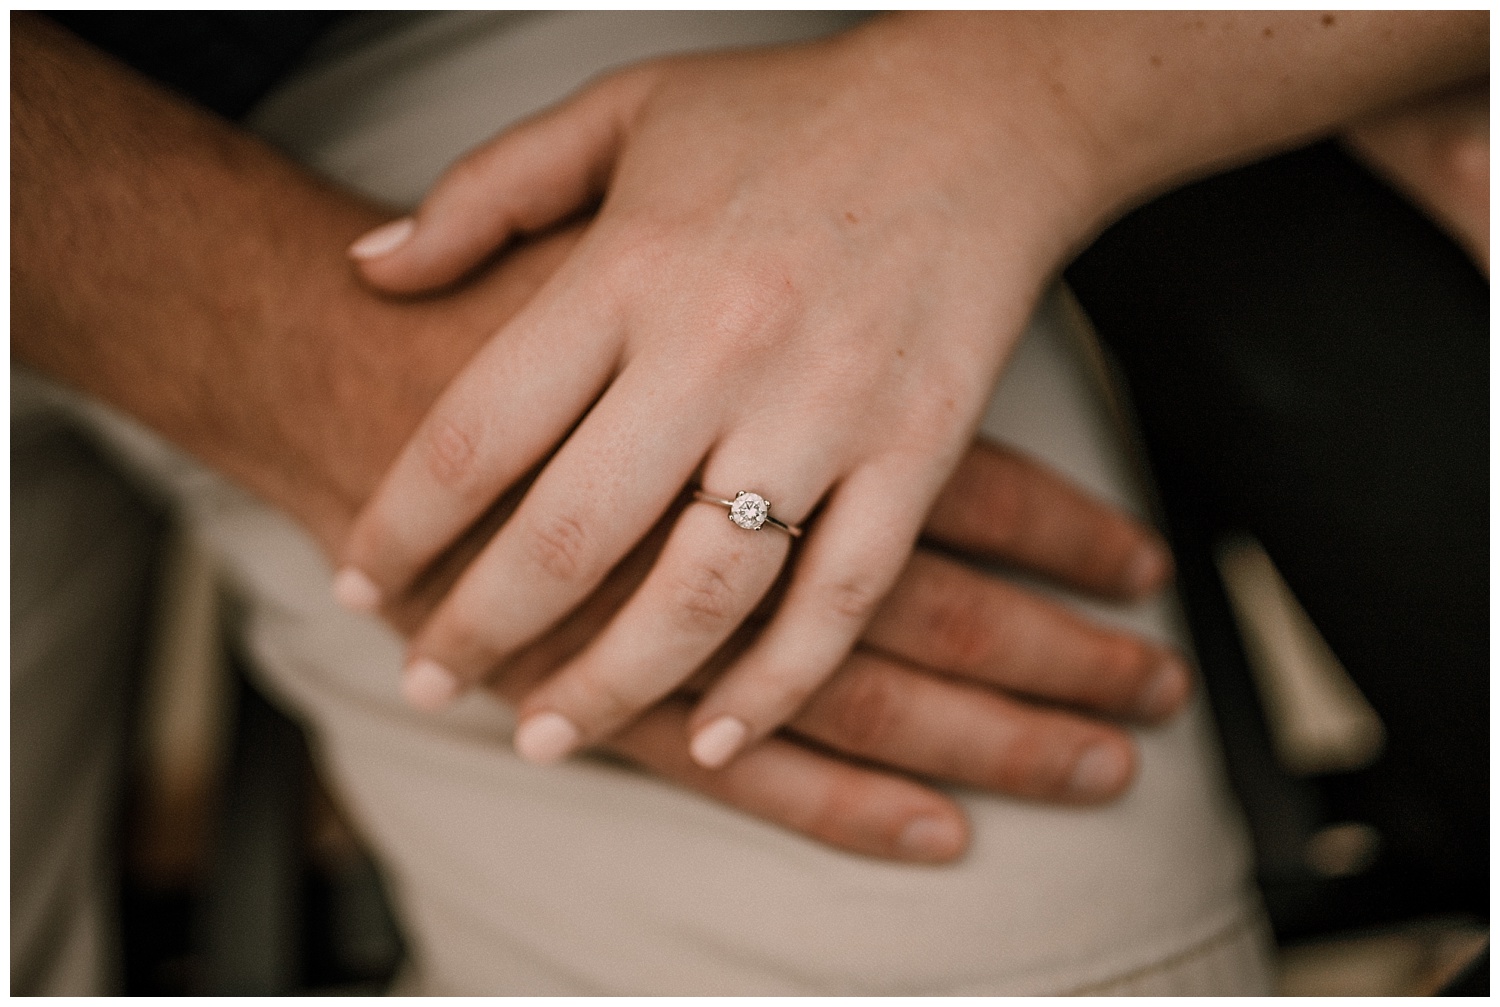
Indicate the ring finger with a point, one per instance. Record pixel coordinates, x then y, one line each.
707 580
582 515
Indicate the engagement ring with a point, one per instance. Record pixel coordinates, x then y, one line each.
750 511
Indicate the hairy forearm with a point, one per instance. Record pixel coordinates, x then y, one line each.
189 275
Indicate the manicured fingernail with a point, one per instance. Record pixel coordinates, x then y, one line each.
385 238
545 737
428 686
356 592
932 839
1164 691
1099 773
1146 570
715 744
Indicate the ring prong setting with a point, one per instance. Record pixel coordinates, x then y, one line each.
749 510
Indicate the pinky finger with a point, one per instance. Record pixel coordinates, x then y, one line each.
849 806
852 560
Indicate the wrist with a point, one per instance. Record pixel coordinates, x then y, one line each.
976 92
1117 107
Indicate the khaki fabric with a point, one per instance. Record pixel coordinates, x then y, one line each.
591 877
82 544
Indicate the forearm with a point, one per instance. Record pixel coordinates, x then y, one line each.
184 272
1123 105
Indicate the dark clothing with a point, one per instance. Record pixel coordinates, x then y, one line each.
1309 360
224 60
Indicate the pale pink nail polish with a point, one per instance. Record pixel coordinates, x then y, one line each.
545 737
355 591
428 686
716 743
932 839
384 239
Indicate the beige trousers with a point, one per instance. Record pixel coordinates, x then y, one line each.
594 878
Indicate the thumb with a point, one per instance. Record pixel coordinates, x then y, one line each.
534 174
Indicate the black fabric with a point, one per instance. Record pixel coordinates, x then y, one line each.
224 60
1309 360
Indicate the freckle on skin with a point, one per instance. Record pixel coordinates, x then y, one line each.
1268 33
1156 61
850 217
1328 20
900 352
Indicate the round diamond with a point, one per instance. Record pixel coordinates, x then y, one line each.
749 510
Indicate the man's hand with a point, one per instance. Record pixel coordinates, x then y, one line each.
182 271
936 687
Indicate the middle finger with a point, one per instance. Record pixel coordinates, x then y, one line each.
708 579
585 511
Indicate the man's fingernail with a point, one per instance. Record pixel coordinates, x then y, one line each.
1100 772
1146 570
385 238
428 686
1164 691
545 737
932 839
715 744
355 591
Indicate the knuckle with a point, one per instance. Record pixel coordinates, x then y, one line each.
866 712
449 450
706 597
749 315
559 547
961 637
746 316
854 598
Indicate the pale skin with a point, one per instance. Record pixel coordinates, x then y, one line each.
809 266
190 276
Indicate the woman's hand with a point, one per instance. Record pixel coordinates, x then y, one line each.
802 283
961 678
808 268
